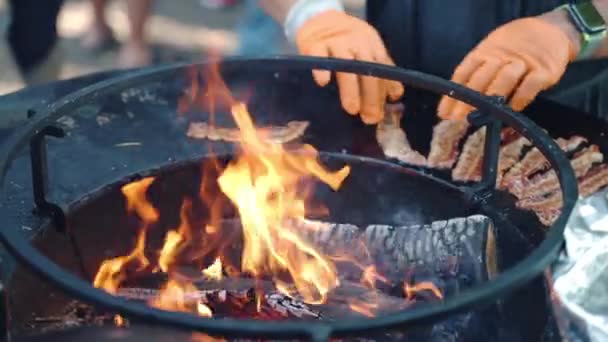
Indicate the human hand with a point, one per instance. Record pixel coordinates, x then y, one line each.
339 35
517 61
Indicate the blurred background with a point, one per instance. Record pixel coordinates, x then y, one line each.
95 35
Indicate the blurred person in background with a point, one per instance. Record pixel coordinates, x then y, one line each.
259 34
32 38
218 4
135 51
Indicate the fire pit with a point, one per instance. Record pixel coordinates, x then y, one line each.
238 200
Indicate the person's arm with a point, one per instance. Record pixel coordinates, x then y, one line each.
278 9
562 19
292 14
321 28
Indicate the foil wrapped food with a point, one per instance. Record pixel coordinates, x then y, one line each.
580 276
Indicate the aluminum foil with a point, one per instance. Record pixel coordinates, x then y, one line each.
580 276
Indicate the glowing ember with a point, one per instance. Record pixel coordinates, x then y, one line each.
119 321
176 296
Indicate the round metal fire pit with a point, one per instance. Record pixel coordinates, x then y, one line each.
284 84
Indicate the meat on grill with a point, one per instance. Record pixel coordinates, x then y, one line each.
468 167
548 182
509 155
534 161
470 163
276 134
444 144
393 140
548 208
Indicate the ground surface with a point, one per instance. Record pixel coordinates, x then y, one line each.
178 30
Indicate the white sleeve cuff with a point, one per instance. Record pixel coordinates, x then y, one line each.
303 10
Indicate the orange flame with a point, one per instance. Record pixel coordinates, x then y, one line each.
112 272
411 290
214 271
175 240
136 200
119 321
266 184
370 306
263 183
176 296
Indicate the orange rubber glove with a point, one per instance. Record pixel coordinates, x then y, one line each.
517 60
339 35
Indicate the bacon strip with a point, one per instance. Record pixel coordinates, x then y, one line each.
278 134
548 181
534 161
393 140
444 144
548 208
469 164
509 155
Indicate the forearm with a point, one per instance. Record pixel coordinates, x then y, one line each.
561 19
292 14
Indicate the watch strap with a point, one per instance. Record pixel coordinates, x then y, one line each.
591 37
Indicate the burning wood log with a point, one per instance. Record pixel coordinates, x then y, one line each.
465 246
444 144
393 140
249 298
276 134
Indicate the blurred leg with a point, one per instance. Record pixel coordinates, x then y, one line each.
99 35
32 36
135 51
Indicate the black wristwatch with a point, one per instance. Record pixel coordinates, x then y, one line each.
589 23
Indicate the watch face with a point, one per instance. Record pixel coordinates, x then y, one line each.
588 17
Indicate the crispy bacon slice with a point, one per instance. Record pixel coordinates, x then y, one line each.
509 155
513 144
534 161
444 144
548 208
393 140
547 217
274 134
469 164
548 181
550 202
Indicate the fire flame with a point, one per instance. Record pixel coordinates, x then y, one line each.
112 272
411 290
214 271
263 184
267 183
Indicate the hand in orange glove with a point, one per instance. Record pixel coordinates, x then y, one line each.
339 35
517 60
